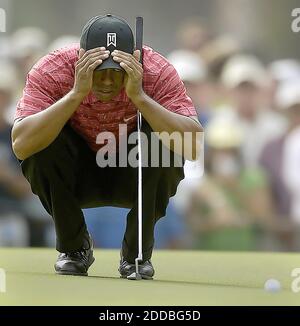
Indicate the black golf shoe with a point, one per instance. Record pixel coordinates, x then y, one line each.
146 269
78 262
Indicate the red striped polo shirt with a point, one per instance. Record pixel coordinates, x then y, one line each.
52 77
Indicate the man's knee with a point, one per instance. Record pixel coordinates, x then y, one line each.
47 161
37 168
41 161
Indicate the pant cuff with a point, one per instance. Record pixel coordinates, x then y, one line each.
73 244
130 255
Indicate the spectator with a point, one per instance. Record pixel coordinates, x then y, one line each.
281 72
192 71
232 201
216 52
246 80
280 159
13 187
27 45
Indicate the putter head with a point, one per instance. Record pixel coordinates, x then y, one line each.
134 276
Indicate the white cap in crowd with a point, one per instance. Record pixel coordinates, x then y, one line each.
189 65
284 70
28 41
223 132
243 68
288 94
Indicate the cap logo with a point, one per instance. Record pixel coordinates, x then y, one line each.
112 39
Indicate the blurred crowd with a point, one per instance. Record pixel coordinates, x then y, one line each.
249 195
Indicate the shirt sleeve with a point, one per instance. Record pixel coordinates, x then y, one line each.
40 92
170 92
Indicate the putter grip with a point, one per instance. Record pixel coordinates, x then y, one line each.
139 36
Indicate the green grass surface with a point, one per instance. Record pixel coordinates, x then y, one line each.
182 278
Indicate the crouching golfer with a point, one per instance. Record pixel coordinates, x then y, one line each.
74 94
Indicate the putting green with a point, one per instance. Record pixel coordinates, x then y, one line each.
182 278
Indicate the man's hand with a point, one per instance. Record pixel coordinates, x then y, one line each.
134 73
85 66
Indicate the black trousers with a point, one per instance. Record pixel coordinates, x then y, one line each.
67 178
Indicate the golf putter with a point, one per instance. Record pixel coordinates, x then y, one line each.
136 275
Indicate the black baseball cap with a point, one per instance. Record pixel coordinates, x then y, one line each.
109 31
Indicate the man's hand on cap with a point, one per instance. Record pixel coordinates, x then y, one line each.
84 68
134 72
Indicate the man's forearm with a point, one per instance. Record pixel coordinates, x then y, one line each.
36 132
163 120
